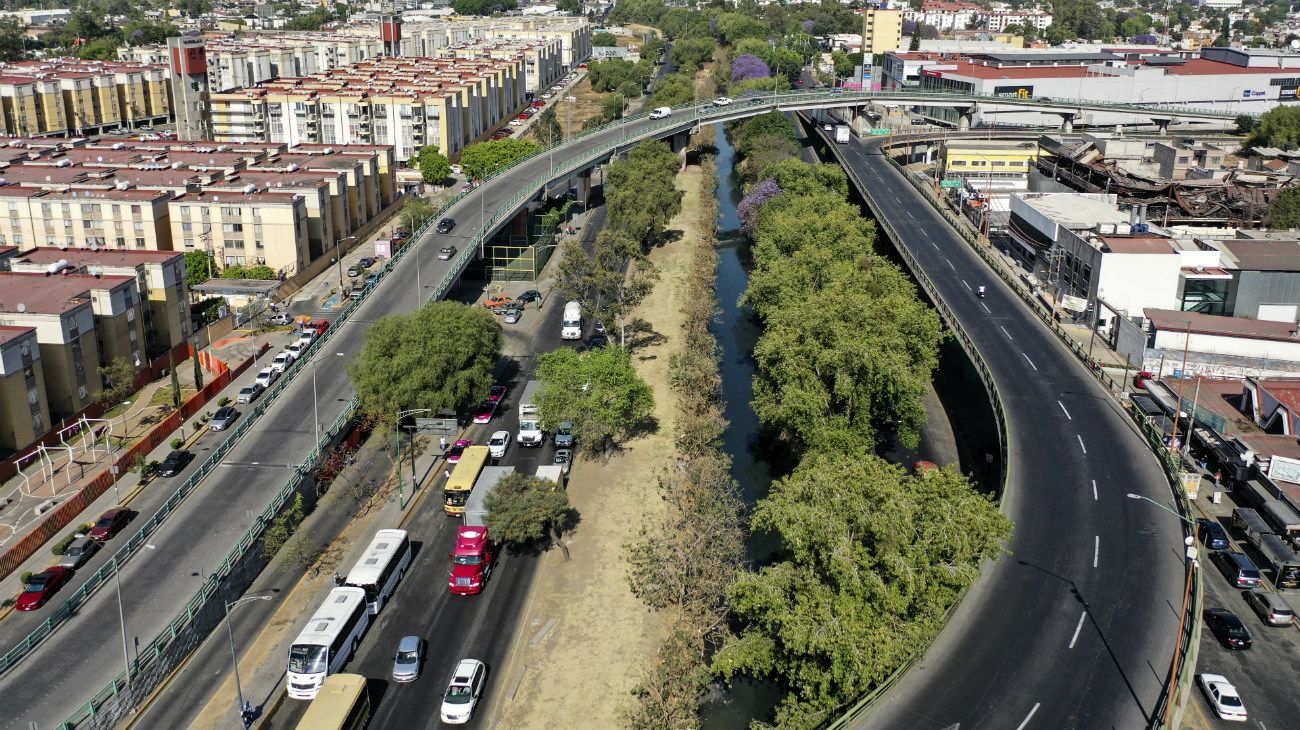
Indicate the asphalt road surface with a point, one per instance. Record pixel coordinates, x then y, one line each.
1075 626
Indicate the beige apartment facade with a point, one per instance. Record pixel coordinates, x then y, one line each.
244 229
24 409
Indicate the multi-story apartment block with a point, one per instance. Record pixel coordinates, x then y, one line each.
998 22
882 30
85 217
65 96
159 284
24 410
245 228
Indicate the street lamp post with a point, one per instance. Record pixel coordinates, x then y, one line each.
315 405
338 260
230 634
397 448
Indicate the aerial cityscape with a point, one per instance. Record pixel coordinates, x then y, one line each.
650 364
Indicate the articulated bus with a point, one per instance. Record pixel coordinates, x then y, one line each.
327 641
381 567
341 704
462 479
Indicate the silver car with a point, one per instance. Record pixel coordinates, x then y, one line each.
410 653
564 460
248 393
78 552
222 419
513 313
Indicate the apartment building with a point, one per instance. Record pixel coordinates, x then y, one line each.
998 22
160 284
882 30
247 228
24 410
84 217
65 96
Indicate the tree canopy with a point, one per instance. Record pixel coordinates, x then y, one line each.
598 391
263 273
610 284
199 267
482 159
1284 211
433 165
642 195
604 39
522 509
1278 127
440 356
483 7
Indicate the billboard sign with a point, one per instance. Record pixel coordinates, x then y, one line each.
1019 91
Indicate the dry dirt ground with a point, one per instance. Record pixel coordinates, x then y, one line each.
586 107
580 671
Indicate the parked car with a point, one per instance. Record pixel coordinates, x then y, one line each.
366 262
278 319
445 225
597 341
296 349
1222 696
110 523
564 460
249 393
223 418
78 552
410 653
457 169
564 435
532 295
372 278
496 393
266 376
463 691
498 444
515 122
354 271
281 362
458 448
539 104
1272 608
1213 535
175 463
1229 629
484 411
514 311
497 301
1237 568
41 587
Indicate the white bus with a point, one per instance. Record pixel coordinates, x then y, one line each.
381 567
327 641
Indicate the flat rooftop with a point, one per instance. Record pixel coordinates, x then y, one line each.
1262 254
1210 324
102 256
9 332
42 294
1074 210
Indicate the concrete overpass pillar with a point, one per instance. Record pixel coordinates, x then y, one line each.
582 187
1162 125
963 122
680 141
1067 123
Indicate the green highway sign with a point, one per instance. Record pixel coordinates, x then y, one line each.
880 130
950 184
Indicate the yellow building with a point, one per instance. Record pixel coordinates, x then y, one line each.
24 410
64 96
84 217
989 165
244 229
882 30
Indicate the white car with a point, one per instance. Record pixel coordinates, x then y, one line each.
282 362
457 169
722 101
515 122
463 691
661 113
306 337
297 349
266 376
498 443
1222 696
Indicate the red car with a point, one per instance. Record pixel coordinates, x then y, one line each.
109 524
458 448
538 104
484 411
523 117
41 586
582 65
496 393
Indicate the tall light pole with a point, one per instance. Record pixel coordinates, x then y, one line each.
230 633
315 405
338 260
397 448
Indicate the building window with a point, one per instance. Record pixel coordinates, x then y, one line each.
232 227
121 242
135 211
187 226
87 209
139 242
233 243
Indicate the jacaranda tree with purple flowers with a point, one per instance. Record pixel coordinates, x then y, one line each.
751 205
748 66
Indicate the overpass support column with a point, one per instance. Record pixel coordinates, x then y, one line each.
1067 123
680 141
582 187
1162 125
967 116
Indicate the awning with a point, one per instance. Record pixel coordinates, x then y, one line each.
1204 272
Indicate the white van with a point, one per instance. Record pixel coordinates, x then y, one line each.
571 327
661 112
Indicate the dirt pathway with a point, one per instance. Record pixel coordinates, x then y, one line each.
586 640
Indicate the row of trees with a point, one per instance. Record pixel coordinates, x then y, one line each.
482 159
201 266
870 556
761 141
747 20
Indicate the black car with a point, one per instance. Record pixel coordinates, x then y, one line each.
445 225
366 262
174 463
1237 568
532 295
1213 535
1230 630
597 341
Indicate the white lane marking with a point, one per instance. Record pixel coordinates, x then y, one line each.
925 233
963 283
1004 331
1094 490
1028 717
909 214
936 246
986 308
1096 549
1067 413
1078 628
954 268
1085 448
1031 362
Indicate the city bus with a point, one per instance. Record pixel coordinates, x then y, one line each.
381 567
463 478
327 641
341 704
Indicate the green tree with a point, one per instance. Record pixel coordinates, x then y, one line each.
433 165
668 695
612 283
744 133
1284 211
198 371
611 107
673 90
547 129
100 49
598 391
263 273
522 509
641 192
604 39
13 41
572 7
482 159
441 356
118 377
870 560
914 43
281 529
415 213
176 381
693 52
734 26
1278 127
198 266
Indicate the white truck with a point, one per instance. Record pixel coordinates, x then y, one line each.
842 133
571 324
531 432
476 504
551 472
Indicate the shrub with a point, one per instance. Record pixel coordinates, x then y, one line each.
26 576
223 401
177 442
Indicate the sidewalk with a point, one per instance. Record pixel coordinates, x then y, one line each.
261 667
87 466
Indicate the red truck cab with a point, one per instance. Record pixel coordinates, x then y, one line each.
471 561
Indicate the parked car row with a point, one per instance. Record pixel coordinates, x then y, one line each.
41 587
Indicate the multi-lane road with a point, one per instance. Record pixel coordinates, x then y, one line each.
1075 625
